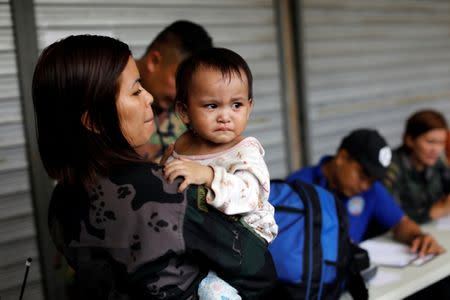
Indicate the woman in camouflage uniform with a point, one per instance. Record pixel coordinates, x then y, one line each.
418 176
127 233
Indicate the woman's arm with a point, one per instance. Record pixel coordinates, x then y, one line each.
235 253
440 208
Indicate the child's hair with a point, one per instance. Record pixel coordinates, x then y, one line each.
224 60
423 121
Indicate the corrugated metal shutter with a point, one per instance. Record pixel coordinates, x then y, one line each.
371 64
248 27
17 230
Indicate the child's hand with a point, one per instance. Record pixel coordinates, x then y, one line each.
193 173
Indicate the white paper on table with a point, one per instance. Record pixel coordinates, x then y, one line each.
443 223
388 253
384 277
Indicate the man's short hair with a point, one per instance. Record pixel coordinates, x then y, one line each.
186 36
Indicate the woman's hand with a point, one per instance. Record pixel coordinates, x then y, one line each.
440 208
192 172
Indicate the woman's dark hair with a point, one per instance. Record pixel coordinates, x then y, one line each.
423 121
75 84
224 60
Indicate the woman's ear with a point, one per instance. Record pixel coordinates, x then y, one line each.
181 109
87 123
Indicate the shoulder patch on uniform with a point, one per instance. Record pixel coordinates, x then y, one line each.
201 199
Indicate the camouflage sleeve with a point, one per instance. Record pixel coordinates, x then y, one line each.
391 181
229 248
418 211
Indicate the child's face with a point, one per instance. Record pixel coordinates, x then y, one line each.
218 108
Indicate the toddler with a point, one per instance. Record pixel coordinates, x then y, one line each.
214 99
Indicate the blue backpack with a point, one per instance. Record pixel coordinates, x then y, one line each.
312 252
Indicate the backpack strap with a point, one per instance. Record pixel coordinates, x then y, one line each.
348 270
313 230
355 282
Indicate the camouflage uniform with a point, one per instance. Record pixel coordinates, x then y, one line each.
132 236
168 128
416 191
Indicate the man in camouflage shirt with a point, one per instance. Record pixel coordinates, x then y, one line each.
157 68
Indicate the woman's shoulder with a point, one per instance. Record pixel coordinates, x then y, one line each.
400 159
133 169
143 182
137 174
398 152
395 169
134 181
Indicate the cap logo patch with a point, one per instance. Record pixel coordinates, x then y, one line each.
355 205
384 156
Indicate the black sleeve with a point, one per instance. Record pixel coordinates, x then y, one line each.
236 254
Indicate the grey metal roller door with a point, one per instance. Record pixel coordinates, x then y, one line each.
371 64
248 27
17 230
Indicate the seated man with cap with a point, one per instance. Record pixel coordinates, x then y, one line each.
352 175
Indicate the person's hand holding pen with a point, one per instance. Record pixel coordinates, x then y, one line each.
425 244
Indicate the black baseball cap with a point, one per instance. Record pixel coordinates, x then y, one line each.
370 149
